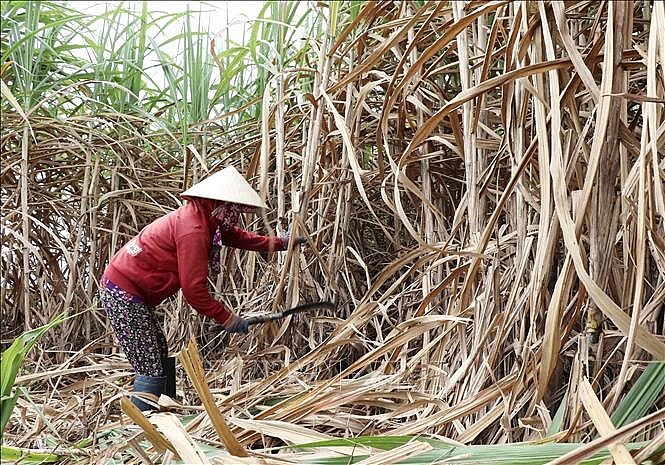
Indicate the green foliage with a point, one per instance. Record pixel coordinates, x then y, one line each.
37 42
442 452
118 56
638 401
16 455
189 77
557 421
11 362
642 396
127 61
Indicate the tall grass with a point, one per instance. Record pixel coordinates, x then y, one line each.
12 359
480 185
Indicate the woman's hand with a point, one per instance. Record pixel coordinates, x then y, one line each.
235 324
299 240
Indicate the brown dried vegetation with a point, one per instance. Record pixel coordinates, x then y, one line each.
481 188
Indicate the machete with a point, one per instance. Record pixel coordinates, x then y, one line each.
253 320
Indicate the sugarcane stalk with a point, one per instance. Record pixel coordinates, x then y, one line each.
191 361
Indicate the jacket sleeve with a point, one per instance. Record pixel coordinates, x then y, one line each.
192 250
241 239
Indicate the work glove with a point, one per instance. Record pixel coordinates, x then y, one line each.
298 240
236 324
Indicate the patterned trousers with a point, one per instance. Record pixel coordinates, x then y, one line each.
138 330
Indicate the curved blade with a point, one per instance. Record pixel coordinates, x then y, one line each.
283 314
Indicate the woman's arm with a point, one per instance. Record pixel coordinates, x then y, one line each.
192 250
241 239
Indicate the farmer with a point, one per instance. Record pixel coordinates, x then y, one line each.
177 251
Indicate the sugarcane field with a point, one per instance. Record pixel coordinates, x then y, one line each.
332 232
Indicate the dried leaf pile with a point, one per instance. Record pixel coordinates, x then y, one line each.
481 189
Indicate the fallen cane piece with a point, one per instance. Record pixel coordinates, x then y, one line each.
191 361
151 432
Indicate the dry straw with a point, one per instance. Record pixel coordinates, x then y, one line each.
480 185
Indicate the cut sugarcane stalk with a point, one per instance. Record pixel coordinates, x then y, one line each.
191 361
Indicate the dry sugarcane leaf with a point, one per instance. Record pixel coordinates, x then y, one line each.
288 432
350 152
169 425
648 450
481 424
576 58
602 422
379 52
408 331
551 342
368 11
194 368
552 337
449 34
427 129
645 339
294 434
257 460
475 263
138 172
466 407
70 371
7 94
152 434
490 49
398 454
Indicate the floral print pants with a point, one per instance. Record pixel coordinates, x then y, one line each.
138 330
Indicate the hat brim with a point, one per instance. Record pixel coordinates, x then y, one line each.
227 185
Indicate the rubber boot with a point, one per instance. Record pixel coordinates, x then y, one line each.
147 390
169 377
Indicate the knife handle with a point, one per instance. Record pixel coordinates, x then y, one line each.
254 320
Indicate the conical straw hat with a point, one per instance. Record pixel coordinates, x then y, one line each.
227 185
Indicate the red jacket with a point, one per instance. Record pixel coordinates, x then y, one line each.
172 253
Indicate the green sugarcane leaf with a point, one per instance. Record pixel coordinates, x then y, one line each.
6 407
15 454
557 421
642 396
7 93
11 362
442 452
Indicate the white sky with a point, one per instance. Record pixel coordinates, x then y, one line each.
236 8
239 11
